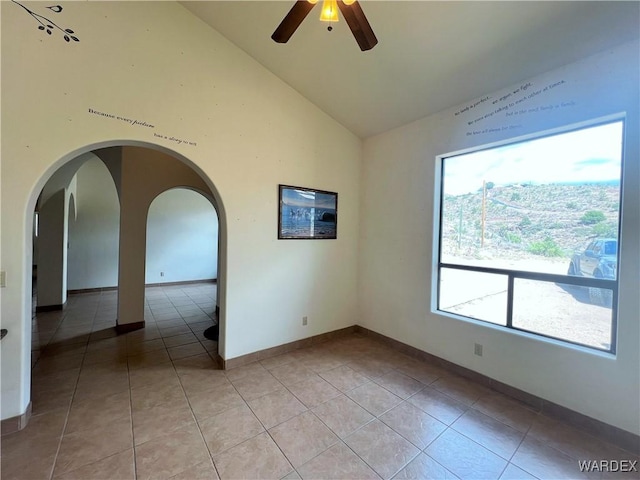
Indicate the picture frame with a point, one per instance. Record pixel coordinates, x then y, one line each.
307 213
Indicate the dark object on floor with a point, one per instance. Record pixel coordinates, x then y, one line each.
212 333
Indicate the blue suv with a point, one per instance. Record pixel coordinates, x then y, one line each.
598 260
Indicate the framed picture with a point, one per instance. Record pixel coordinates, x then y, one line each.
306 213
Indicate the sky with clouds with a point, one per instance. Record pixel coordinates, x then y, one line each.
583 156
305 198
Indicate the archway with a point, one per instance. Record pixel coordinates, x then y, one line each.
67 159
181 267
182 238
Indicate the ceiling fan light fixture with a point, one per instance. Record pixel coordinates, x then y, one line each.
351 11
329 11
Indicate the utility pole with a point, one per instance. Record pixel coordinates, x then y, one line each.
484 210
460 227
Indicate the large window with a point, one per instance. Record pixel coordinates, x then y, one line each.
529 235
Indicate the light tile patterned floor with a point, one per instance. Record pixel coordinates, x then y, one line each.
151 404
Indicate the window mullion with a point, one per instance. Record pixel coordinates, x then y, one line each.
510 283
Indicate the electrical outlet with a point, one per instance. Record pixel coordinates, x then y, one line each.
477 349
162 274
3 279
304 321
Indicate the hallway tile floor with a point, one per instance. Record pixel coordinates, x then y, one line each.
152 404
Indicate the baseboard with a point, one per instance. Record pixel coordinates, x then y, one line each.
49 308
220 361
15 424
617 436
287 347
185 282
166 284
129 327
91 290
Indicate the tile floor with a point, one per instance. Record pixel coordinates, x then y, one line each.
151 404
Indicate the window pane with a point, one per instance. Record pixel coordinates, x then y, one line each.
482 296
549 205
578 314
536 205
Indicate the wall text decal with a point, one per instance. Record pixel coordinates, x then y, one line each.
472 105
174 139
141 123
511 104
131 121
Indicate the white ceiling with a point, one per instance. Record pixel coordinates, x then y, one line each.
431 55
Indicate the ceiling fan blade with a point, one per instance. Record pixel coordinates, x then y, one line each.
292 21
359 25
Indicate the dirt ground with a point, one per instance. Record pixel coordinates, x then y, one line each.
555 310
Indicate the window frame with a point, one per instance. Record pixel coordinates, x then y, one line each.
513 274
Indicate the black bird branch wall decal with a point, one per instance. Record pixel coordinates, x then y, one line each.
47 25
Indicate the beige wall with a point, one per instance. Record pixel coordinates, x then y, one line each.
94 232
156 63
143 175
52 249
182 232
182 238
398 260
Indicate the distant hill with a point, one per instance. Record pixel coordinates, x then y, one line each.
530 220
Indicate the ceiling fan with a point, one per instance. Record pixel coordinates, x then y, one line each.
351 11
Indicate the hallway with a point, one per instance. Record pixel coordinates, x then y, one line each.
76 356
152 404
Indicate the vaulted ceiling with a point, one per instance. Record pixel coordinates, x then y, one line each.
431 55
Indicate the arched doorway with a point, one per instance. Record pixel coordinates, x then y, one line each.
182 238
181 270
142 148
